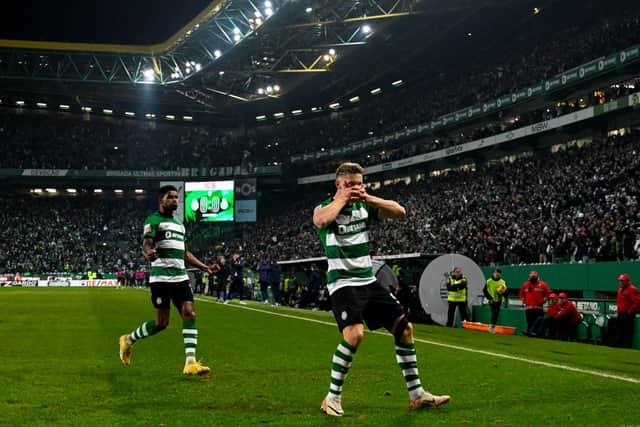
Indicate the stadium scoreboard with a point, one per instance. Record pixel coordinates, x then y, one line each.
210 201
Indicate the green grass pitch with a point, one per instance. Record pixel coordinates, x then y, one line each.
59 365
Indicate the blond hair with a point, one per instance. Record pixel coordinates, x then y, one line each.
349 168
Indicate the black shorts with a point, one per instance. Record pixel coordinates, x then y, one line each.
371 304
162 293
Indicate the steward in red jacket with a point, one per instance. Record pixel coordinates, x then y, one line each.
628 301
554 305
533 294
568 317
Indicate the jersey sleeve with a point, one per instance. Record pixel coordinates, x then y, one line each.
373 212
321 205
150 227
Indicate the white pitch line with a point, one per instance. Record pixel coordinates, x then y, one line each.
451 346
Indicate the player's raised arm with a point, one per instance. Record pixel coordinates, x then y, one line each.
386 208
349 187
325 215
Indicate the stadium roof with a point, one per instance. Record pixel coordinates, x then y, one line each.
140 22
287 48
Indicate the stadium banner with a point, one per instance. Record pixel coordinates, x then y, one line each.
246 211
590 307
45 172
318 178
609 107
55 282
590 68
630 54
246 206
145 174
66 282
245 189
536 90
558 122
100 283
374 257
179 213
223 171
411 131
574 75
19 281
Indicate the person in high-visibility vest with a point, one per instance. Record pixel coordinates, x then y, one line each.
495 291
457 287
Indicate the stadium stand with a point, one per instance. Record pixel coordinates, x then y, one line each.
130 145
576 204
73 235
165 147
111 144
439 92
485 128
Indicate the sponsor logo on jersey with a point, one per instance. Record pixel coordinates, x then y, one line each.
352 228
172 235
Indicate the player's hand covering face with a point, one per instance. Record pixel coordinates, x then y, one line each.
350 188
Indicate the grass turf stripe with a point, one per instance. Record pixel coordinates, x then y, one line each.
445 345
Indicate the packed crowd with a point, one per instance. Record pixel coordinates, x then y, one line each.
482 130
439 92
77 234
42 141
579 204
575 205
45 141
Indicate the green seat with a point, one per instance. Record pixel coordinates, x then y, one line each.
599 328
582 332
596 334
601 320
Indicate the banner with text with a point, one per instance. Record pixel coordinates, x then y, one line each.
523 132
575 75
246 205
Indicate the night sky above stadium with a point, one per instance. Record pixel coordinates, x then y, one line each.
112 21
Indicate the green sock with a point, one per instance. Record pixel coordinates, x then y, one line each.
341 362
190 336
145 330
406 358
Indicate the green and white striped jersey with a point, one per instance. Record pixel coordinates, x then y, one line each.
168 235
346 246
